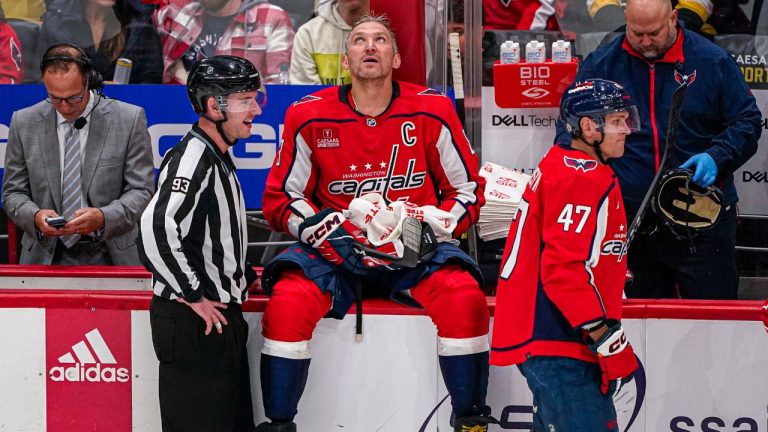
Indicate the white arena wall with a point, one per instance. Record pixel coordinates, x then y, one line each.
83 360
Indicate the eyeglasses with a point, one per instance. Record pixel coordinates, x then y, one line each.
69 100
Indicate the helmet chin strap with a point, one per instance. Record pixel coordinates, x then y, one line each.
596 145
220 128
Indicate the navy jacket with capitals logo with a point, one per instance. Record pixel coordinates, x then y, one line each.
564 264
415 150
719 114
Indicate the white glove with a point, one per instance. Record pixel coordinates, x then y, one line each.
382 223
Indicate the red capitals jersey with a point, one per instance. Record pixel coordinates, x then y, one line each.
11 66
414 151
519 15
564 262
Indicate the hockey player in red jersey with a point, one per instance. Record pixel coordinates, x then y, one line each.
405 143
558 306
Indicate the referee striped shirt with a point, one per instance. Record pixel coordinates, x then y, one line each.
193 236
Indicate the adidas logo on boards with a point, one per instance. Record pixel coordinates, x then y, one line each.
86 367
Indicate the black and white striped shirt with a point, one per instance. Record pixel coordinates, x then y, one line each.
193 235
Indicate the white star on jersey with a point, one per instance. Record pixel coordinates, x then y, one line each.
368 166
353 167
382 164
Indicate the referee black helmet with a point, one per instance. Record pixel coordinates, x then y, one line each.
220 76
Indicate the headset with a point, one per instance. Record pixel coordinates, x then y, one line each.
93 81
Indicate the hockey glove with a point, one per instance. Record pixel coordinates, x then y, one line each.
765 315
616 358
337 240
704 169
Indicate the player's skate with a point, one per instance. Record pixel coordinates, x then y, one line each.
276 427
477 423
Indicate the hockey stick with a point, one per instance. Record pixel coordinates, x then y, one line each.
457 73
458 76
411 238
675 107
257 222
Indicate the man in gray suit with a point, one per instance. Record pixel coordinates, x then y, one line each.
80 156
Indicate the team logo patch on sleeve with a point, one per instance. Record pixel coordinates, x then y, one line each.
580 164
307 98
180 184
430 92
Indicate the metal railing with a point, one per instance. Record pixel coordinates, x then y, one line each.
757 249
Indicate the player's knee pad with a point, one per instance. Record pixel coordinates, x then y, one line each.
455 303
294 308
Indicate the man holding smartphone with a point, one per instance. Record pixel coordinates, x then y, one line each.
78 169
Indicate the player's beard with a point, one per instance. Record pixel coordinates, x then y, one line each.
365 73
655 52
370 74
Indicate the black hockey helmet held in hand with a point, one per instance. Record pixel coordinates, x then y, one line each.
220 76
681 204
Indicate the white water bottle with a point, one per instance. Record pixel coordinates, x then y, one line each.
510 52
561 52
535 52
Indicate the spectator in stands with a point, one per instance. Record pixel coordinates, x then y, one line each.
28 10
107 30
609 15
320 43
520 15
719 127
251 29
80 155
11 66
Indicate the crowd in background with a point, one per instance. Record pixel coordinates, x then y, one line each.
298 42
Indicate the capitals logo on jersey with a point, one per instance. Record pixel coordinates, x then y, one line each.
580 164
682 79
357 186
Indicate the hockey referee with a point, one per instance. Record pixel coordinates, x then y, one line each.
193 239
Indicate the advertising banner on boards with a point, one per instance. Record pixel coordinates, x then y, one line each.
170 116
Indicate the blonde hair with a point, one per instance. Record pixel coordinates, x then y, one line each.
378 19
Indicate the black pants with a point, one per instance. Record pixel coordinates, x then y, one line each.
661 262
204 380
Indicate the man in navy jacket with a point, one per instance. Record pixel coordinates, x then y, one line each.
718 131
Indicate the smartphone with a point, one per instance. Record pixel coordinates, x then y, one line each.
56 222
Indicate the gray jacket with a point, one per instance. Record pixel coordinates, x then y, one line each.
117 175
